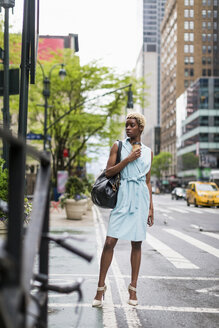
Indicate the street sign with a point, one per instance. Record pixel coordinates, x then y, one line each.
36 136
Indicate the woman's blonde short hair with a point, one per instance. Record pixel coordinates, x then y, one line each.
139 118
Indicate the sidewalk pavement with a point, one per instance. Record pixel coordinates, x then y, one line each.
66 267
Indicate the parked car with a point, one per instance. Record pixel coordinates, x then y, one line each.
178 193
202 193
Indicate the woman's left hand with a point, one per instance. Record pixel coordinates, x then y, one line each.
150 221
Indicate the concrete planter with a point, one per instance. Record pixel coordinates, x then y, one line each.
75 208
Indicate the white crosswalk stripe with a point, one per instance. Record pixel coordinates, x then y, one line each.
178 210
172 256
195 242
211 210
194 210
210 234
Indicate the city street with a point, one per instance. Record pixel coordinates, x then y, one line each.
178 283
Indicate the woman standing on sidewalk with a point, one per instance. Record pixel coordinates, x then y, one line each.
134 208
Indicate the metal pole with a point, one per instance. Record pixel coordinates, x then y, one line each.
23 105
45 122
6 115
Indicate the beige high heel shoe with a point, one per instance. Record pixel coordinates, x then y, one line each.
99 303
132 302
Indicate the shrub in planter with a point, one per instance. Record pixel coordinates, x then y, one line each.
74 200
4 196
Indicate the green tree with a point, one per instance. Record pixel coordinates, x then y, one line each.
89 123
190 161
160 164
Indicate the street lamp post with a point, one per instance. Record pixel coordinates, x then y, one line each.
46 94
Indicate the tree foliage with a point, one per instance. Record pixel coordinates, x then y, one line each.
190 161
160 164
89 124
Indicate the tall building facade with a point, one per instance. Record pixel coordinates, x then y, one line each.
148 67
197 129
189 50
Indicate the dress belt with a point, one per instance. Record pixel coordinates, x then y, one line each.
135 199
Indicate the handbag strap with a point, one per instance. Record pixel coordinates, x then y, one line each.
118 158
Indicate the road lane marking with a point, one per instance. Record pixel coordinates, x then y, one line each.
195 242
212 211
194 226
178 210
210 234
213 291
129 276
130 312
194 210
179 261
109 315
162 210
143 307
168 217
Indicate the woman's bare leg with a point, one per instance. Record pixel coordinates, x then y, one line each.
106 259
135 264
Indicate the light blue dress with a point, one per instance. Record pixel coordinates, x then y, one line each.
128 220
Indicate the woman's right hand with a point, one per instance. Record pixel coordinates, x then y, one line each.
134 155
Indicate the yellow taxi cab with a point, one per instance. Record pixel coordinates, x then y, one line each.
202 193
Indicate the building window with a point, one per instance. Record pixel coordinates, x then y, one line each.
209 2
204 2
186 48
203 60
191 13
186 2
215 48
209 37
209 13
191 37
191 73
216 100
186 72
204 49
209 60
215 2
216 121
203 37
186 25
191 59
186 36
203 137
216 137
191 48
209 72
186 60
215 13
186 83
204 13
209 25
191 25
209 49
215 37
186 13
203 120
215 25
204 25
204 72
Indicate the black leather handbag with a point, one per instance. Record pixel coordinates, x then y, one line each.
104 191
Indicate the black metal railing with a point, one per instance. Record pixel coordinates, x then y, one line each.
19 308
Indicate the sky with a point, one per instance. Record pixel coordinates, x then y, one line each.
107 29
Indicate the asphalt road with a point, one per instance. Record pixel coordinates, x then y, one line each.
178 282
